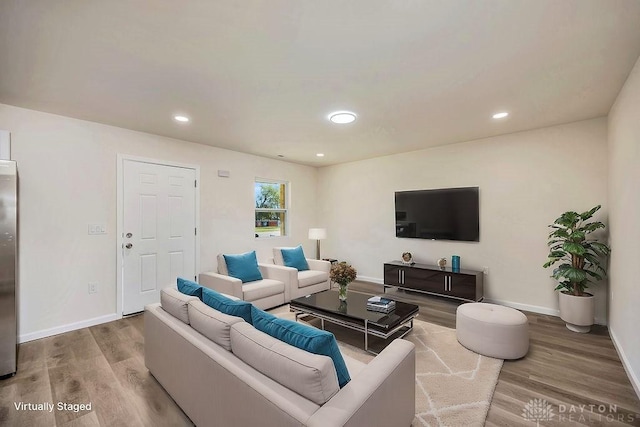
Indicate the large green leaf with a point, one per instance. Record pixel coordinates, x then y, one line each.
594 274
574 248
551 261
560 233
568 219
593 259
577 236
564 286
592 226
588 214
552 241
574 274
600 248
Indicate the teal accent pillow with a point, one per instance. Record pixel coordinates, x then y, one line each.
304 337
295 258
188 287
226 305
243 266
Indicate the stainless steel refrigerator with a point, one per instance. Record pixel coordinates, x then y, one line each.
8 270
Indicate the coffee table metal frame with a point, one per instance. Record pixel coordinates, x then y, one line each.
407 323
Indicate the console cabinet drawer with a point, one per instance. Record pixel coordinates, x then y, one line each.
460 284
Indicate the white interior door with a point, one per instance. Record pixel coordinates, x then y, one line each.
159 227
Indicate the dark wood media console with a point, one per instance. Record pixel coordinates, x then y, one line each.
460 284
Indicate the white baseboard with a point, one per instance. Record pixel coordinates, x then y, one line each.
516 305
633 377
536 309
525 307
370 279
67 328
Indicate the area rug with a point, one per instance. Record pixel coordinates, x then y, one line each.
454 386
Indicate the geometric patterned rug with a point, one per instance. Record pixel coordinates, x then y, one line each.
454 385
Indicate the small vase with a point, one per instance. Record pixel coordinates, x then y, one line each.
342 292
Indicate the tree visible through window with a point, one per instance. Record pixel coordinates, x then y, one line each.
271 208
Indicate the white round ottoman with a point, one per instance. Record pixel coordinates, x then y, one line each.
493 330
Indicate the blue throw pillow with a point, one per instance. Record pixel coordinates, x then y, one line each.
243 266
226 305
295 258
304 337
188 287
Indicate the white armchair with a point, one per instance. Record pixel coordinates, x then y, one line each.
269 292
301 283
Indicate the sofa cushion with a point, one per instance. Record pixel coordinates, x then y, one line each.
310 375
311 277
175 303
188 287
226 305
294 257
304 337
212 323
243 266
262 289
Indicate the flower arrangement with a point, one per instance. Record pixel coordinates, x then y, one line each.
343 273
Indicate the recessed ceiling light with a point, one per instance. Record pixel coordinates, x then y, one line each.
501 115
320 155
342 117
181 119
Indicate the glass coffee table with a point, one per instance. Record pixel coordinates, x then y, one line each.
353 314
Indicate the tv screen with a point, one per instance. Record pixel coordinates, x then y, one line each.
444 214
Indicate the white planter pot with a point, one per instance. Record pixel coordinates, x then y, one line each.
577 312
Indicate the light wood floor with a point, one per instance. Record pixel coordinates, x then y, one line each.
104 365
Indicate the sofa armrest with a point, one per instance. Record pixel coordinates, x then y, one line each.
318 264
221 283
382 394
286 275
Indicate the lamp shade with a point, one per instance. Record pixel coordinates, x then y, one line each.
317 233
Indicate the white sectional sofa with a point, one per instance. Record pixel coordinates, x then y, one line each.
223 372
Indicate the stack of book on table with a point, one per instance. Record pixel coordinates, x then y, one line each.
381 304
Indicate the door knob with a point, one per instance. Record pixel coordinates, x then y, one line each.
128 245
129 235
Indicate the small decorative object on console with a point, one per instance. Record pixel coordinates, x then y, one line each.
407 258
455 262
442 263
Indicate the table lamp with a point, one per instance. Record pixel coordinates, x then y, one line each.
317 234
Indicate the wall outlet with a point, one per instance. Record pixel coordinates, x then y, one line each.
93 287
485 270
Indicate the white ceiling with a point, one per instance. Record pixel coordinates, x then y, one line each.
261 76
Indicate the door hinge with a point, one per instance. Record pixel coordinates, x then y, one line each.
195 278
195 231
195 183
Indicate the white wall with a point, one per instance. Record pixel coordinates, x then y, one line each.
624 197
67 172
526 181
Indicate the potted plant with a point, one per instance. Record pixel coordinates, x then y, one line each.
342 274
580 259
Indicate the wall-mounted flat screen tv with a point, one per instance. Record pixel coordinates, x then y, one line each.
443 214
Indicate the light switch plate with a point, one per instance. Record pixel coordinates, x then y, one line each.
97 229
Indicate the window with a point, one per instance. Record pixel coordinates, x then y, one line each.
271 208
